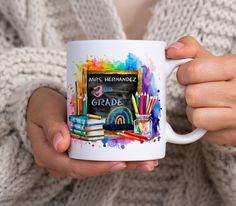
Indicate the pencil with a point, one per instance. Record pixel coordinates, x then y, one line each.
150 108
134 105
135 135
147 101
85 105
144 101
76 99
129 136
152 104
94 116
141 103
81 105
137 98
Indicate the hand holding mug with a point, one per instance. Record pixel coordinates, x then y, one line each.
210 89
50 139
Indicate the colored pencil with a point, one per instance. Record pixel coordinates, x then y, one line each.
134 105
85 105
94 116
129 136
76 99
154 102
151 105
141 103
144 101
81 104
137 98
138 105
135 135
147 101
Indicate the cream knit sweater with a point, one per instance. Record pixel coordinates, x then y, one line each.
33 34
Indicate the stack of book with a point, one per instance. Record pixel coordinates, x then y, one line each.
87 128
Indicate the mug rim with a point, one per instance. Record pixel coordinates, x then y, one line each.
116 40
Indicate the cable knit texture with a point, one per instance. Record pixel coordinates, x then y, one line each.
33 34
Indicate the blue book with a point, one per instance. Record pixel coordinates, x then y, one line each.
83 127
84 120
89 133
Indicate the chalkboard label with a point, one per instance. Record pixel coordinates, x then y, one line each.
109 95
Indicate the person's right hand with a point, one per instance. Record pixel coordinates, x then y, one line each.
50 138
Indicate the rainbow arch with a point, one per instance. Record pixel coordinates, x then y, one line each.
120 115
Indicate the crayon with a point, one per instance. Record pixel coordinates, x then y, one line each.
134 105
94 116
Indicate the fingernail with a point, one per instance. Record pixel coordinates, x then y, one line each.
145 168
118 167
155 163
57 139
176 45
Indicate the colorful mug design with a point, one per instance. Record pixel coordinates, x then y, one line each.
116 99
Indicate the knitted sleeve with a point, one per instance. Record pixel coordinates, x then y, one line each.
23 71
221 168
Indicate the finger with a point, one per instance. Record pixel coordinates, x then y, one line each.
57 133
44 153
211 94
186 47
222 137
47 157
145 166
206 70
211 119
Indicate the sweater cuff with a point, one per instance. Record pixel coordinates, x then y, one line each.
19 105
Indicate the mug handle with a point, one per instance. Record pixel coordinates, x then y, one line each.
171 135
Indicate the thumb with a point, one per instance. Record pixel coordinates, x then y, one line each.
186 47
57 133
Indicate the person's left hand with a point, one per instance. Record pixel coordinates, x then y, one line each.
210 90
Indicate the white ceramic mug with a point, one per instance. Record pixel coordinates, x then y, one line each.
122 83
